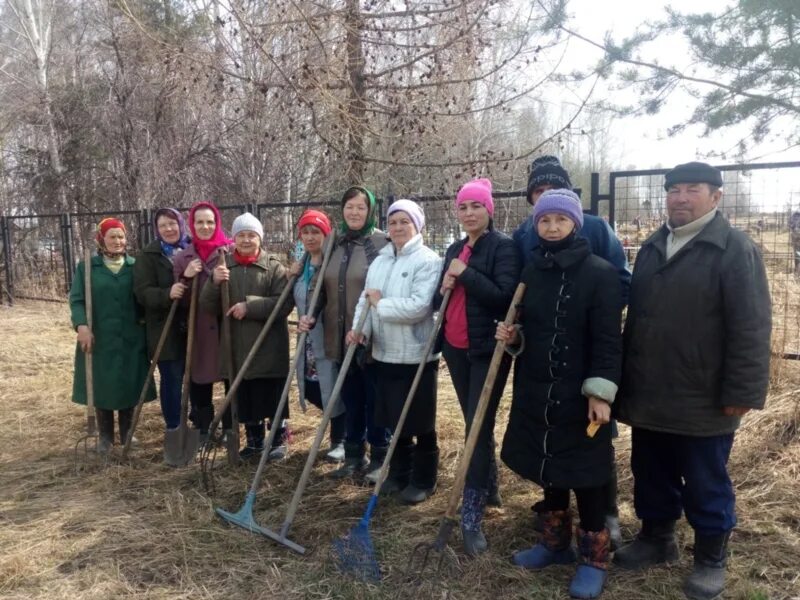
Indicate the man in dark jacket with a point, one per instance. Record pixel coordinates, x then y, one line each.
697 350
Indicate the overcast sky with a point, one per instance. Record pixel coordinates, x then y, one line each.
643 141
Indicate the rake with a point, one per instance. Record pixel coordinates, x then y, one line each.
150 372
424 553
91 419
208 451
244 518
354 553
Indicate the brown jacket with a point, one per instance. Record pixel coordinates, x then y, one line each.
259 284
344 281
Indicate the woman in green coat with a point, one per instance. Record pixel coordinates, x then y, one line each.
117 341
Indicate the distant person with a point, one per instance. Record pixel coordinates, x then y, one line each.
696 359
547 173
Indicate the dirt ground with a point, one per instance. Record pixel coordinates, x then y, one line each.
141 529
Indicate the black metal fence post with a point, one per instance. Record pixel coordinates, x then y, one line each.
66 249
6 234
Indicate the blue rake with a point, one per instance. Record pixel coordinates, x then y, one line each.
354 553
244 518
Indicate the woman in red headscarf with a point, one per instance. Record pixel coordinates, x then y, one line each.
198 260
117 338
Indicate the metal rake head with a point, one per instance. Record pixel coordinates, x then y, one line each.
354 555
208 456
86 451
430 557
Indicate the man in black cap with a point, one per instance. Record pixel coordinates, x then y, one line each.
697 350
547 173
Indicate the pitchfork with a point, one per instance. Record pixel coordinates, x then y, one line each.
424 552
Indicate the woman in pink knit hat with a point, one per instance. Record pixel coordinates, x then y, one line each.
482 269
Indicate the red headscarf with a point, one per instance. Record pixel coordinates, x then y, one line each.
102 229
206 247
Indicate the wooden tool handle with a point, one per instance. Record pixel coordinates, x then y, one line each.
187 373
91 419
480 411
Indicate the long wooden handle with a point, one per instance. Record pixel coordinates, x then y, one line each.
251 355
480 411
227 348
299 351
150 372
91 419
187 373
412 390
326 416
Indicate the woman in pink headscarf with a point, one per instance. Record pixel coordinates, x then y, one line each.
198 260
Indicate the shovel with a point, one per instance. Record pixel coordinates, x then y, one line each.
244 517
208 451
89 441
355 553
181 445
151 371
424 553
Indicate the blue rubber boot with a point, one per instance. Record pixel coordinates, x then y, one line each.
554 549
593 556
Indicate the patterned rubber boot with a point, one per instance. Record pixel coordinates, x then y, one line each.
554 547
473 505
593 558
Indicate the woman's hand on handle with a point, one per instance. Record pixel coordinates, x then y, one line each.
85 338
193 268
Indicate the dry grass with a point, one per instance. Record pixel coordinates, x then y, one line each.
144 530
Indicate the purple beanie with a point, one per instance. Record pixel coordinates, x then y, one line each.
412 209
477 190
563 202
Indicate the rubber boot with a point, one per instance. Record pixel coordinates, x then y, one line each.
105 430
593 558
400 467
255 440
377 454
554 547
338 429
354 460
654 545
473 505
494 498
707 579
125 422
423 477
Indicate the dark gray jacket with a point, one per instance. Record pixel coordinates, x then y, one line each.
697 335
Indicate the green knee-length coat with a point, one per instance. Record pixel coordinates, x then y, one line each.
120 353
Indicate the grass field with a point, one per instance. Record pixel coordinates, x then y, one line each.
143 530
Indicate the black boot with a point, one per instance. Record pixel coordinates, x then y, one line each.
255 440
377 454
354 460
205 414
707 579
423 477
494 498
105 430
612 516
399 467
655 545
125 422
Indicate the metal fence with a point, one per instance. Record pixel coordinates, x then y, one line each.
40 251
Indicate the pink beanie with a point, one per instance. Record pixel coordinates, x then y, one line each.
477 190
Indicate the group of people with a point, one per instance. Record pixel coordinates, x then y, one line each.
693 358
